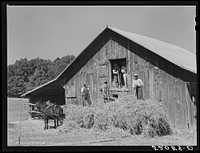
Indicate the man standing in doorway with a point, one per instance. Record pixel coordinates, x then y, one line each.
115 72
124 74
137 87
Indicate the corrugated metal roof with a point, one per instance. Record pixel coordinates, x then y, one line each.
177 55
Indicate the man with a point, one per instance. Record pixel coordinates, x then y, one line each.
137 87
115 72
105 91
124 74
114 82
85 94
49 103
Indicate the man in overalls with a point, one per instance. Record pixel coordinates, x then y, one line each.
137 86
85 94
105 91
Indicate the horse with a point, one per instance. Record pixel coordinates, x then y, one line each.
54 112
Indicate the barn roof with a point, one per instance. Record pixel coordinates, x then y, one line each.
177 55
49 88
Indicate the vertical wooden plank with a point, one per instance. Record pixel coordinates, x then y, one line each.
97 80
111 49
160 85
169 100
79 88
180 109
131 69
136 59
183 102
189 108
94 80
177 101
167 92
125 46
164 95
120 51
91 86
151 83
146 84
115 48
174 101
107 48
155 71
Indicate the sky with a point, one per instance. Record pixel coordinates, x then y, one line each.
51 32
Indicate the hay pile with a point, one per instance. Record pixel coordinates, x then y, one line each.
134 116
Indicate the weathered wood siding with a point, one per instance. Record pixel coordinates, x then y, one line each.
163 81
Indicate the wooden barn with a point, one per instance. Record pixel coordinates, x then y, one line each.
169 74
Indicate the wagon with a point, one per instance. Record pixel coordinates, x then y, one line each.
33 112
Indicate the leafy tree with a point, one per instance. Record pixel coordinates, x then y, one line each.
25 75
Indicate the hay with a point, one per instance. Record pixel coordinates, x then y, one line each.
135 116
83 116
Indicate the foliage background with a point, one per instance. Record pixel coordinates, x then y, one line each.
24 75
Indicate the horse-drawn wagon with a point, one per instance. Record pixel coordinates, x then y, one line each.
34 112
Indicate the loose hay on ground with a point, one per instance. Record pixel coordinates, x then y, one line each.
135 116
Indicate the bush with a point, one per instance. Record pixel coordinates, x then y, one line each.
135 116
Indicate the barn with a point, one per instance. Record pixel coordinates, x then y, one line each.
169 74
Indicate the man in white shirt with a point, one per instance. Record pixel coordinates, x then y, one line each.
124 74
85 94
137 87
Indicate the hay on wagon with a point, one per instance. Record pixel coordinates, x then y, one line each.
135 116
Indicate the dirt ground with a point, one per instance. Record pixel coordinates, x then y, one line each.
33 134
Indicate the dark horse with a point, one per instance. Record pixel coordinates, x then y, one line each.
54 112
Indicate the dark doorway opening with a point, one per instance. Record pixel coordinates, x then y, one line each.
118 79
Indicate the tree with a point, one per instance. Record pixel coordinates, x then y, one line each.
26 75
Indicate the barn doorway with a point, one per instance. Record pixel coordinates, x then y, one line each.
117 80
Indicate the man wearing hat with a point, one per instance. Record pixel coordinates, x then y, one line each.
85 94
105 91
137 86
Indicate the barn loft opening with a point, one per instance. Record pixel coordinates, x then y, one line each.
117 80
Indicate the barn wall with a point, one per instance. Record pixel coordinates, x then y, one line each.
164 82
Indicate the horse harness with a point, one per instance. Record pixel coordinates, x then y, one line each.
47 114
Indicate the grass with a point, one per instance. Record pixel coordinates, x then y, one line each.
128 114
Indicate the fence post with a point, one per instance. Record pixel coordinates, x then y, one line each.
20 120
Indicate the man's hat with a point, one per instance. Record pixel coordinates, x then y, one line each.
135 74
105 81
84 83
